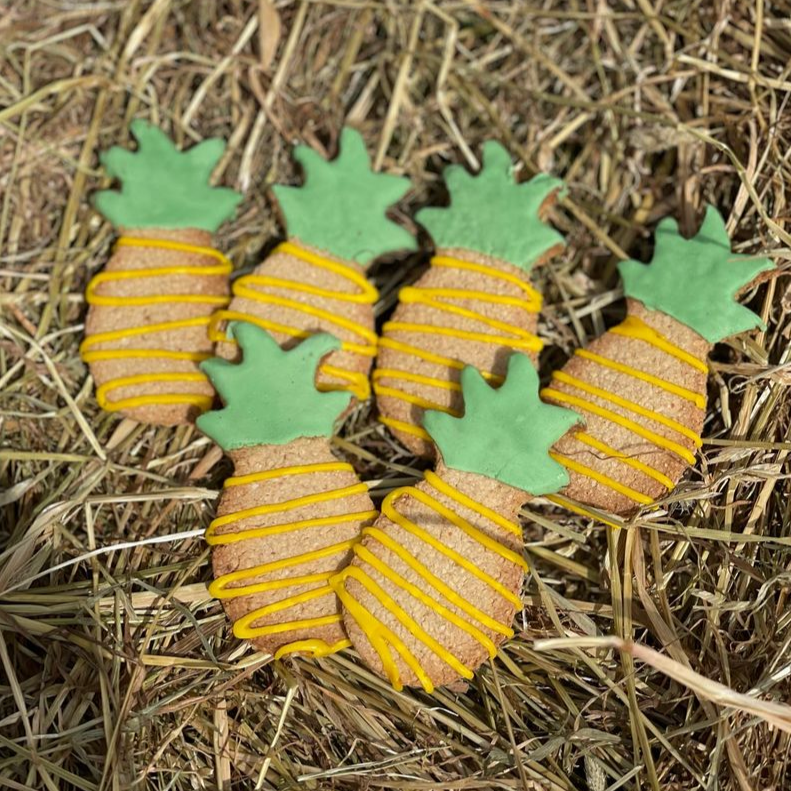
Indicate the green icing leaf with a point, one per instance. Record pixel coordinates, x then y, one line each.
695 280
492 214
506 433
162 187
270 396
340 208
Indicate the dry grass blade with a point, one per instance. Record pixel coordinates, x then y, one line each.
118 671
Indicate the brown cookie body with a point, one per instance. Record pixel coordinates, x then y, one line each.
159 343
299 291
437 328
415 550
297 609
644 406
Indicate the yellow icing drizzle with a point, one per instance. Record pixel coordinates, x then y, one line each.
407 428
630 461
614 417
314 646
698 399
578 508
599 477
634 327
631 406
242 581
90 354
508 335
376 631
249 287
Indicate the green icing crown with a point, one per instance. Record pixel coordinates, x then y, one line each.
270 396
506 433
340 208
695 280
492 214
162 187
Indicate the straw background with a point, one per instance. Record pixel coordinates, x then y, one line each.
116 669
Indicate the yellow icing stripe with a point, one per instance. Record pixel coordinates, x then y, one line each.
228 585
630 461
437 359
430 602
423 403
283 472
407 428
406 620
182 247
625 403
614 417
287 505
604 480
534 298
697 399
90 354
213 539
377 633
468 529
315 647
633 327
449 491
578 508
530 343
249 287
375 630
408 376
436 582
403 395
201 401
389 510
219 588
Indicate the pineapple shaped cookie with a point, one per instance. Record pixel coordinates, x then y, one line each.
150 307
434 584
315 280
641 387
475 304
289 516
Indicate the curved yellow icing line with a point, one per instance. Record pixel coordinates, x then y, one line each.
604 480
315 647
436 298
435 582
249 287
378 634
90 354
407 428
634 327
375 629
697 399
240 583
437 359
631 406
578 508
614 417
631 461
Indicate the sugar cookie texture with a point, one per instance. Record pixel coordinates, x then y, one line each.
475 305
289 516
641 388
315 281
150 307
434 584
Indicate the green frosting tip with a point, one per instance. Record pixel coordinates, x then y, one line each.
696 280
504 434
491 213
341 206
162 187
270 396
